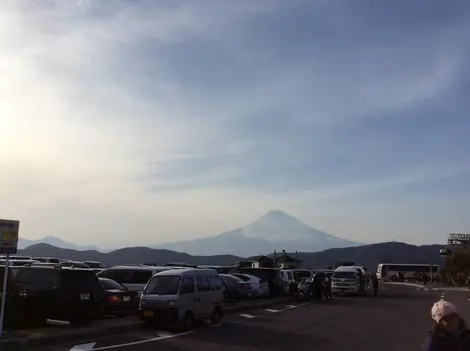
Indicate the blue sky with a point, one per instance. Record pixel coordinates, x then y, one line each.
165 120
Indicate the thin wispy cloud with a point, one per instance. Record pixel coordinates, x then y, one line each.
161 120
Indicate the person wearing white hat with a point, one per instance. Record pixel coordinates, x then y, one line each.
450 332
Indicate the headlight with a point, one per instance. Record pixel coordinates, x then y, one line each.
143 302
172 303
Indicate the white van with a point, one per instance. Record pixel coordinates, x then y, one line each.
133 278
349 279
180 296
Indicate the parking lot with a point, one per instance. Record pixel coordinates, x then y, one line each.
398 319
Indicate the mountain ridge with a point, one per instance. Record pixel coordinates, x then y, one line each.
368 255
274 231
55 241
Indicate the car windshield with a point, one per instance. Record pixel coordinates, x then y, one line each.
163 285
344 275
108 284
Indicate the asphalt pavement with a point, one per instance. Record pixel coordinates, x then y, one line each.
398 319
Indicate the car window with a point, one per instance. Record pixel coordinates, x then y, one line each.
163 285
242 277
202 284
187 286
33 278
127 276
232 280
79 280
215 283
140 277
108 284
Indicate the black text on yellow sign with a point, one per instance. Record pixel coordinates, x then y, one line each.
9 236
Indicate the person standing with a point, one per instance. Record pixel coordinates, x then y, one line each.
328 295
375 283
450 332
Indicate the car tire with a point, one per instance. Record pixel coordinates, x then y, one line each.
188 322
216 316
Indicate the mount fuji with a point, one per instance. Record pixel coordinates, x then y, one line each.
275 231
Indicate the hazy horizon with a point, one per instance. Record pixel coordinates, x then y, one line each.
156 121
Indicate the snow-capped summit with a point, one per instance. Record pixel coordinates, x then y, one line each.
276 230
278 226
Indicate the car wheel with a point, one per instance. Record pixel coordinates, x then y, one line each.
216 316
188 322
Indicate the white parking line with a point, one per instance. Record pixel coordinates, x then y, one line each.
140 341
247 315
273 311
57 322
83 347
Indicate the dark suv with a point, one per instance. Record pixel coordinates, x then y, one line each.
42 292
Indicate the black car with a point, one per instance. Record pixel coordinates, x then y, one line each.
117 299
52 292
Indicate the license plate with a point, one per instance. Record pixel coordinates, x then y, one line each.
126 298
148 313
84 296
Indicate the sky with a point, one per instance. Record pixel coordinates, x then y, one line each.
142 122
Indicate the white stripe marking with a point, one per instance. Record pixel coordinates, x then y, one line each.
163 333
291 306
247 316
83 347
57 322
141 341
273 311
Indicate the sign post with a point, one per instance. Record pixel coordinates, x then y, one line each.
8 245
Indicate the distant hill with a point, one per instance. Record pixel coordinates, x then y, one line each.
371 255
126 255
367 255
275 230
52 240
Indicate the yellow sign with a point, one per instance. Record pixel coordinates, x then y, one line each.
9 236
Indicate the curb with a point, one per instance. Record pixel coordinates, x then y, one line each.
95 331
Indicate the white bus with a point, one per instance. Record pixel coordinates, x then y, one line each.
390 271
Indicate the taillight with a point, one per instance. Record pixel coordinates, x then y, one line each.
114 298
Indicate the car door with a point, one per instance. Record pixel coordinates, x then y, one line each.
187 298
203 302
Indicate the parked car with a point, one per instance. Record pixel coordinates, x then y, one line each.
17 262
132 277
301 274
47 260
96 266
260 287
74 264
271 275
220 269
180 296
42 292
117 299
235 288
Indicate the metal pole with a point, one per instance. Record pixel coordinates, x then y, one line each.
4 294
